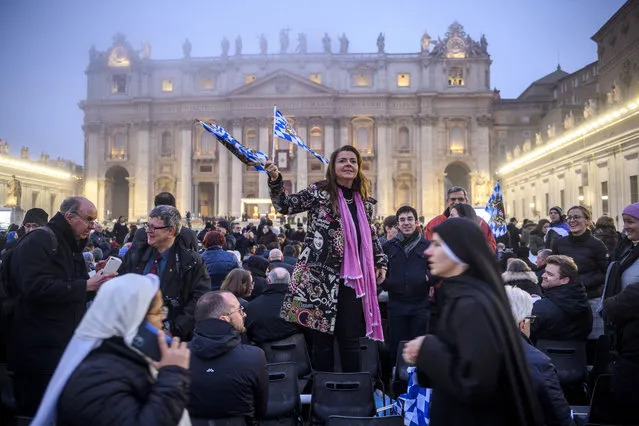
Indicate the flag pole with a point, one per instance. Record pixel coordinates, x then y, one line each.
273 136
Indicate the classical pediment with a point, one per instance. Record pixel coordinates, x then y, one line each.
282 83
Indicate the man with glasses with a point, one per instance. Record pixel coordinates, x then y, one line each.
407 281
228 379
50 287
33 219
457 195
182 273
542 372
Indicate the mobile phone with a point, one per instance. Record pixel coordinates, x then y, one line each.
146 341
112 265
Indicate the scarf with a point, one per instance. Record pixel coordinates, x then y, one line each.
358 270
408 242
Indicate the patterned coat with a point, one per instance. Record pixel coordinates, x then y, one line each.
312 297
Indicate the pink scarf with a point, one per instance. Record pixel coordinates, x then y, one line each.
358 270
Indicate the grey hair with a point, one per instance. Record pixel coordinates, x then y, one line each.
213 304
71 204
170 216
521 303
278 276
543 254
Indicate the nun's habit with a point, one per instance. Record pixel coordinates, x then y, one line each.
475 363
101 380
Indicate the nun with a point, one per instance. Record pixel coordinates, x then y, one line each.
474 363
102 380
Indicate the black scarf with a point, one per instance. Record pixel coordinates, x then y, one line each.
408 242
483 281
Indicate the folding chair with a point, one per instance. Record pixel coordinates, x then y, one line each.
342 394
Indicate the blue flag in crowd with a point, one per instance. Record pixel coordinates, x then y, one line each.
250 157
283 130
495 208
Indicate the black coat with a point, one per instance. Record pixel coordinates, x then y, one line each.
263 322
527 281
280 264
241 243
407 279
562 314
184 279
120 232
52 297
546 383
113 386
228 378
622 310
591 257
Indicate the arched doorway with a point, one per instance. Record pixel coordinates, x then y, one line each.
457 175
116 195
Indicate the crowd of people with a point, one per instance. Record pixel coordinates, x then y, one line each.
470 306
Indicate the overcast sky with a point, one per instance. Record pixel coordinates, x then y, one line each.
44 44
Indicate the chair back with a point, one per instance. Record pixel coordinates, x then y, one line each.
369 357
569 357
283 392
342 394
369 421
399 379
291 349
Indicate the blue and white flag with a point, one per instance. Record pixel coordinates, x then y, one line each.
283 130
250 157
495 208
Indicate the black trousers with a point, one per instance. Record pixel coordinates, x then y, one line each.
29 390
625 391
349 327
405 324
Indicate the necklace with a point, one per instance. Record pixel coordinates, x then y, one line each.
349 201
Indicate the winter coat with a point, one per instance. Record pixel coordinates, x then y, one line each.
120 232
549 393
514 239
535 242
218 264
610 237
263 322
556 231
241 243
268 238
257 265
562 314
316 277
113 386
52 296
279 264
622 310
407 279
184 279
99 240
525 233
488 233
228 378
591 257
527 281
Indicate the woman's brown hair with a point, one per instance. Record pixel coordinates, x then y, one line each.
238 282
361 183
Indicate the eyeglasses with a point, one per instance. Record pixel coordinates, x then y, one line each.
88 220
151 228
531 318
569 218
31 226
240 310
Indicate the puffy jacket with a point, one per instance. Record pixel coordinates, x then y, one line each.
218 263
228 378
407 279
527 281
562 314
544 377
113 386
591 257
622 310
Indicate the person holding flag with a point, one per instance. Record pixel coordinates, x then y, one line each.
333 287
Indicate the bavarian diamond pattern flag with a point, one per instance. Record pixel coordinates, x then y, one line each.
495 208
283 130
416 402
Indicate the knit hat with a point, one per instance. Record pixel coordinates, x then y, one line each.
632 210
557 209
37 216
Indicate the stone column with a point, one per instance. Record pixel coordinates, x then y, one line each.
132 196
141 195
301 156
92 158
329 138
223 158
343 131
236 173
383 172
186 159
101 195
263 182
431 179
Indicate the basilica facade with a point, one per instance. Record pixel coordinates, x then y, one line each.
421 120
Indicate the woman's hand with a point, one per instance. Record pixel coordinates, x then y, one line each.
177 354
411 350
272 170
380 274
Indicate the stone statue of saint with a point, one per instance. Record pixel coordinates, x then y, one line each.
263 44
146 50
483 43
301 44
5 148
569 121
550 130
343 44
438 47
14 192
326 43
226 45
186 48
24 152
381 43
284 40
616 93
238 46
538 139
426 41
590 108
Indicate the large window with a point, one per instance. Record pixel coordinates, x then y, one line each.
456 77
403 139
206 145
251 138
362 80
456 140
167 85
166 146
206 83
118 147
634 190
363 135
316 78
403 80
118 85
